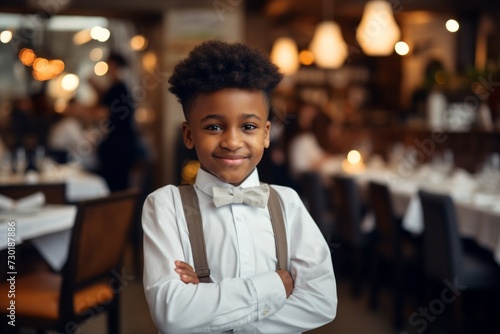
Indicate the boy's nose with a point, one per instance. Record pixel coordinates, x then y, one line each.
231 140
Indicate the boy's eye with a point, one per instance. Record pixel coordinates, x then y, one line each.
249 127
214 127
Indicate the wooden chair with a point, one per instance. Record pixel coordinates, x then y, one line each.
446 261
55 193
88 283
393 249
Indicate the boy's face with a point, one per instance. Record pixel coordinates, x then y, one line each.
229 130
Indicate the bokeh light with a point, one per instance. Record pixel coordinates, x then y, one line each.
306 57
353 157
96 54
452 25
100 34
402 48
70 82
6 36
27 56
138 43
101 68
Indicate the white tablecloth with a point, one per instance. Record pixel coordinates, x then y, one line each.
49 228
478 213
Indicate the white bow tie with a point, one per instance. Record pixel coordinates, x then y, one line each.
255 196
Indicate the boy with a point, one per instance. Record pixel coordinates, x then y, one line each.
224 91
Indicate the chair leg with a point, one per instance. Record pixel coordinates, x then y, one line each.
114 316
398 295
375 283
456 318
357 273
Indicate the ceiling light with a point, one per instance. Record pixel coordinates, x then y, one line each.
377 32
285 55
328 46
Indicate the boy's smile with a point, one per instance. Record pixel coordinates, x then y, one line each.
229 130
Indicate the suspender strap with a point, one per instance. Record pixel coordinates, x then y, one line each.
197 239
195 228
279 230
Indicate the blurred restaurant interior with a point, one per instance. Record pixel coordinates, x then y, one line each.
387 120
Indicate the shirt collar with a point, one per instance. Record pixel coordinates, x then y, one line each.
206 181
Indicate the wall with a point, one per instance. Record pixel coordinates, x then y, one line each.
182 30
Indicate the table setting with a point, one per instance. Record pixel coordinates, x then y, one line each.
80 184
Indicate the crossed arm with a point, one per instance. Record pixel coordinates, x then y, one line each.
188 275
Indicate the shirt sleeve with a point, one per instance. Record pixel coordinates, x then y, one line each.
177 307
313 301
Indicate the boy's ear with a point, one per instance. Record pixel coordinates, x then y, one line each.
187 135
267 135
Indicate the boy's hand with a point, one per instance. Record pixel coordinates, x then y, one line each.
287 280
186 272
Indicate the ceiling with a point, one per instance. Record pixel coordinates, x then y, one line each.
277 9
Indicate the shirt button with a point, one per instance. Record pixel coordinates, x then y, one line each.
265 312
248 260
240 218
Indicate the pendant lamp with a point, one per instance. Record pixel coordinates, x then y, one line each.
328 46
377 32
285 55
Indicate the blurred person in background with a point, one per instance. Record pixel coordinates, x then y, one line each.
119 149
305 152
71 138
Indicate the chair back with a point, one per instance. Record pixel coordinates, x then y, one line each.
55 193
98 241
348 209
441 241
388 231
314 197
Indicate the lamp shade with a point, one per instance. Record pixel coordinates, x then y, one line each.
285 55
377 32
328 46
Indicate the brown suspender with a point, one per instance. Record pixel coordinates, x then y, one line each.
279 230
197 238
195 228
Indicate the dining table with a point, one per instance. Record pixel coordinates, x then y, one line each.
476 198
80 184
48 226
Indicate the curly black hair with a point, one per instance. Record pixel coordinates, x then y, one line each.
215 65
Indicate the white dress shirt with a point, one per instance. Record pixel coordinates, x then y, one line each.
247 295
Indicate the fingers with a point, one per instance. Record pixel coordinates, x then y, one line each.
287 280
186 273
183 265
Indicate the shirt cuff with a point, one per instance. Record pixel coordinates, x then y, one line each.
271 294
